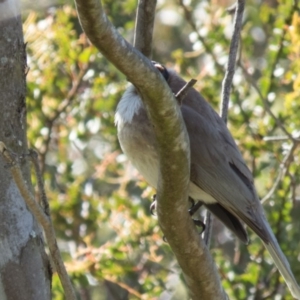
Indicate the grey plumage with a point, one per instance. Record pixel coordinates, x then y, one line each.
219 176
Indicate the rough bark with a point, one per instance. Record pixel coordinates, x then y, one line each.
24 266
173 149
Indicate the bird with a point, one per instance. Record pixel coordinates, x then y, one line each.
219 176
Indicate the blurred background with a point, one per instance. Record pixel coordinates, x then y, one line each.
112 246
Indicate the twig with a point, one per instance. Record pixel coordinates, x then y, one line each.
183 92
62 108
278 138
72 92
207 47
282 171
41 188
293 186
144 27
227 82
126 287
287 24
284 167
226 88
42 218
246 117
264 101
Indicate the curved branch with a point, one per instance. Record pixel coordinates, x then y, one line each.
173 150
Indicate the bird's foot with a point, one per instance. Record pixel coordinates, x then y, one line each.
194 207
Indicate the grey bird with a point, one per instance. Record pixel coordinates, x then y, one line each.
219 177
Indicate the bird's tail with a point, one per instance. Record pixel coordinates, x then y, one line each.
282 264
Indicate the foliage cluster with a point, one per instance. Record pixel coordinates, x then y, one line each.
112 246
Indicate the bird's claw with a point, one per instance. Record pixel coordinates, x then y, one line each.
194 206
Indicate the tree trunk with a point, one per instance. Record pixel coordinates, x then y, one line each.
25 271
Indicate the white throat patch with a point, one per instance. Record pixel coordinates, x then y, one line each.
128 106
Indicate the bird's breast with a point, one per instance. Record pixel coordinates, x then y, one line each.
138 143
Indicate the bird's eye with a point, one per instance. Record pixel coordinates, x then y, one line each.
162 69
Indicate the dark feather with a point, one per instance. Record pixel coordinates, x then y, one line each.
229 220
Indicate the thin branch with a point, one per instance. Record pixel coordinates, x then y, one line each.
61 108
249 78
275 185
226 89
293 186
126 287
172 148
284 167
227 82
278 138
41 188
42 218
208 49
264 101
246 117
71 94
287 24
144 27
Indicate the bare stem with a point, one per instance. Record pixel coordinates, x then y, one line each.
45 204
283 170
265 102
227 82
207 47
43 219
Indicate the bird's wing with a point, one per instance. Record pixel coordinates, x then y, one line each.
217 167
229 220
